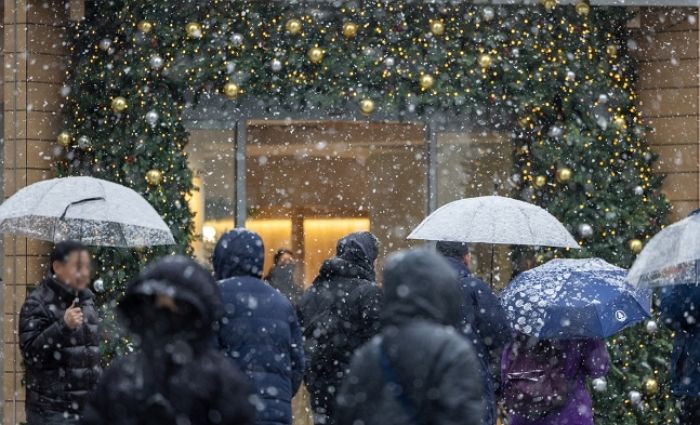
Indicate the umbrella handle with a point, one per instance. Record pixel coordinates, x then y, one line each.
493 248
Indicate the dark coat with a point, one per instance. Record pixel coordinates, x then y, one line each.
62 365
339 313
483 322
177 376
435 368
259 332
680 310
281 277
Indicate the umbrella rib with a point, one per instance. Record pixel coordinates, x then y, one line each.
527 221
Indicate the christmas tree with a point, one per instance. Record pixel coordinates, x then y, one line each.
558 79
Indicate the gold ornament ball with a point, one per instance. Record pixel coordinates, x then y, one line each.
154 177
485 60
549 4
194 30
611 50
426 81
636 246
350 29
293 26
367 106
232 90
119 105
315 55
564 174
437 27
540 181
582 8
651 387
144 26
64 139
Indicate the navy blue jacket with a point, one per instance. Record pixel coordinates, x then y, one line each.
484 324
260 331
680 310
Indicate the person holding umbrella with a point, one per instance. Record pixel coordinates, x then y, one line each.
562 311
671 260
59 339
483 321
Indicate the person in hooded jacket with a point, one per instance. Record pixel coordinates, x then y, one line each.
483 321
419 370
177 376
339 313
260 332
282 276
59 339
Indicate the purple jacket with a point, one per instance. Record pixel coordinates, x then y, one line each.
584 358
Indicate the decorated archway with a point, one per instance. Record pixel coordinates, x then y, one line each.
557 79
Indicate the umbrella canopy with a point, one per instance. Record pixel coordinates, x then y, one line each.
572 299
90 210
494 220
671 256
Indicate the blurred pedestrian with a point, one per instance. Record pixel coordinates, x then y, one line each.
259 332
59 339
544 381
282 276
483 321
339 313
419 370
680 310
176 377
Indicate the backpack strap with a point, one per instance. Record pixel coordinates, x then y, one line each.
395 387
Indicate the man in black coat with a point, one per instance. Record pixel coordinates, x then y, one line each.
483 321
338 314
419 370
177 376
59 339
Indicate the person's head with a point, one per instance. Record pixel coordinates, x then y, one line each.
84 270
283 256
239 252
174 298
458 250
65 262
359 248
420 285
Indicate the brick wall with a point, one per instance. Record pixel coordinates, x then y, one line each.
34 58
667 41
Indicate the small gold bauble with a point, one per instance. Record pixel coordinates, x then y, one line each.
293 26
485 60
154 177
232 90
582 8
144 26
619 121
194 30
611 50
119 105
427 81
636 246
367 106
651 387
437 27
564 175
549 4
64 139
540 181
315 55
350 29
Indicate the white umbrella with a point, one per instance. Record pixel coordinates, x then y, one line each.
94 211
670 257
494 220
